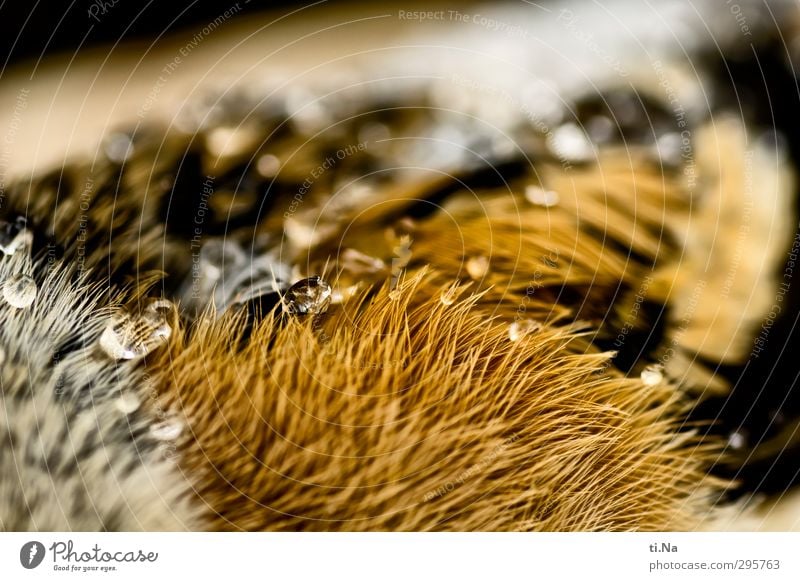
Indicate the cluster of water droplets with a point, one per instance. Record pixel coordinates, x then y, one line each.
19 289
128 335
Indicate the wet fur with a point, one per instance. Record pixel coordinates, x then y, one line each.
396 410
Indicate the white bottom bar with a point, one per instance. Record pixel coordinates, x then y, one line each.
398 556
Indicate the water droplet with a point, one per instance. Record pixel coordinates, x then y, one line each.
736 440
538 196
652 375
308 296
156 314
668 148
129 336
570 143
518 329
20 291
395 295
14 235
118 147
449 295
268 165
127 403
477 267
166 430
114 338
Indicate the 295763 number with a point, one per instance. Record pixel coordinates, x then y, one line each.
750 564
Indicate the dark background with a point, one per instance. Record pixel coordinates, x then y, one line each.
35 28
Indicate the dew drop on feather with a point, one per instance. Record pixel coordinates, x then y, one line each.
652 375
114 340
308 296
127 403
130 336
166 430
540 197
518 329
156 314
449 296
20 291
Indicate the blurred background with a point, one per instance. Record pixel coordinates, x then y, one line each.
73 72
